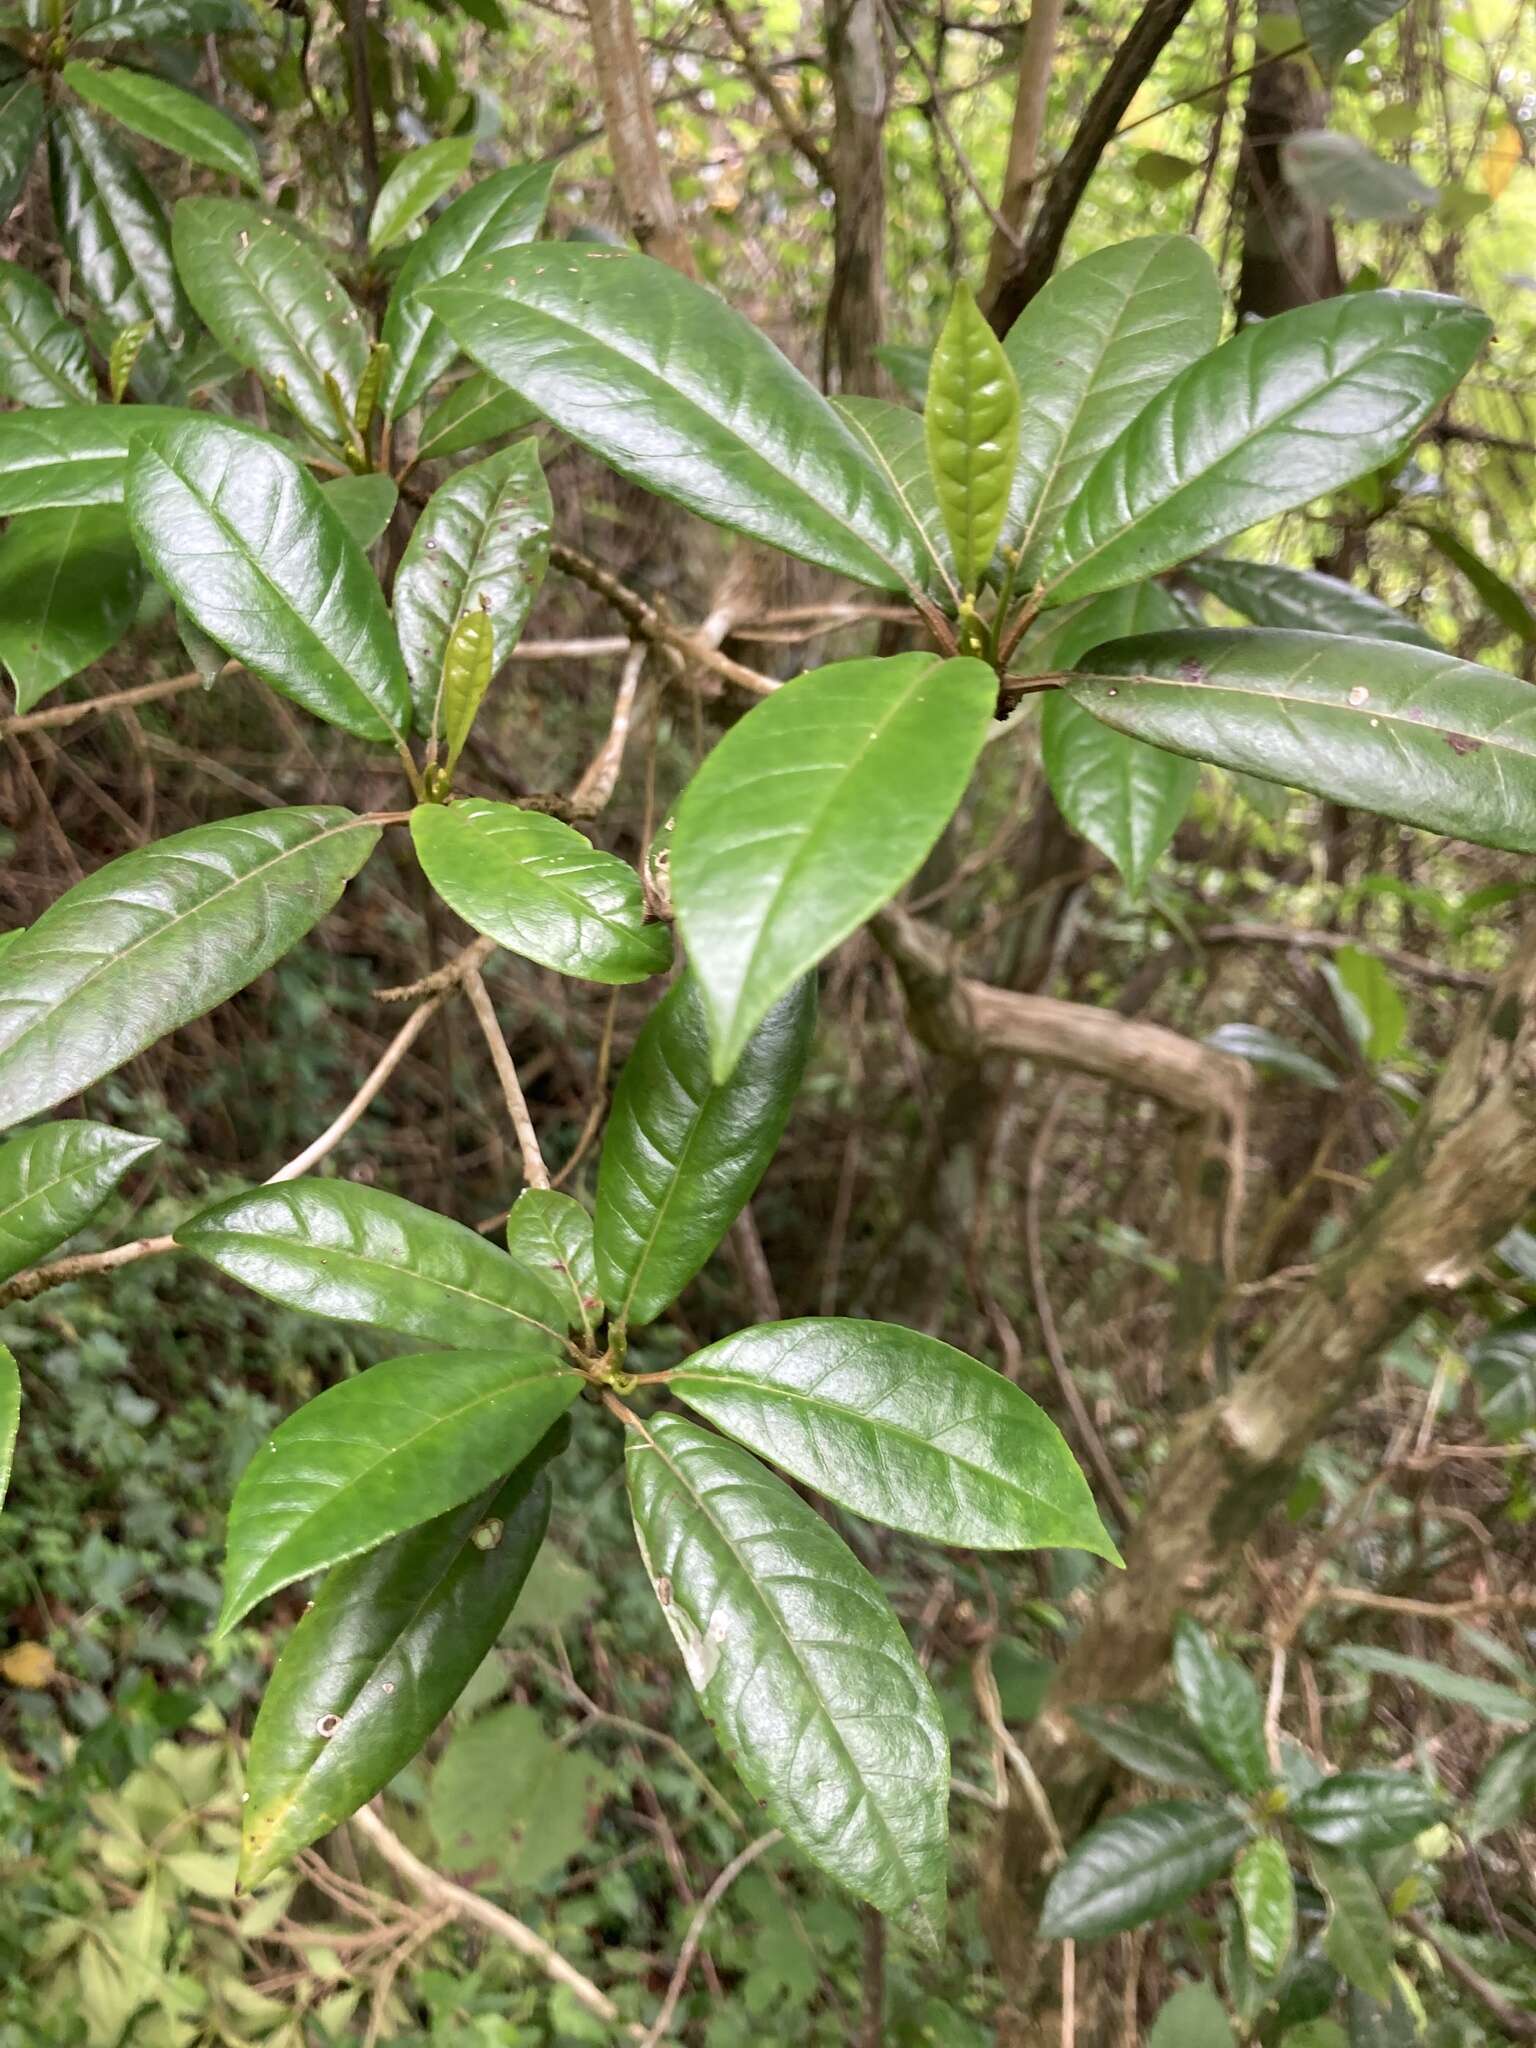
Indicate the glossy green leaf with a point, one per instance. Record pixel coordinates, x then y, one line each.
1286 410
900 1428
166 114
540 889
1503 1364
683 396
893 439
399 1444
1505 1789
1358 1939
21 123
810 814
971 426
62 455
10 1417
1273 596
1365 1810
1124 797
1095 345
478 409
354 1254
1420 737
498 213
266 296
467 664
1331 172
418 181
43 357
52 1182
683 1152
246 544
377 1661
802 1669
1374 1014
1224 1704
364 504
113 227
114 21
1130 1869
1192 2018
1497 1702
69 589
158 937
1501 598
1334 27
1156 1742
1266 1897
481 544
1270 1053
550 1234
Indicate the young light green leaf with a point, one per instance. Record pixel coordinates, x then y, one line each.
1091 348
1192 2018
892 437
369 387
810 814
683 396
164 113
1496 1702
55 456
500 212
262 291
43 357
1157 1742
113 227
900 1428
1358 1940
971 426
1266 1897
1130 1869
418 181
1419 737
1270 595
69 589
1503 1363
1505 1789
478 409
354 1254
364 504
244 541
21 123
1373 1011
1287 409
480 545
1365 1810
378 1659
1334 27
540 889
1224 1704
158 937
683 1153
467 664
550 1234
10 1417
52 1182
1502 599
399 1444
122 357
802 1668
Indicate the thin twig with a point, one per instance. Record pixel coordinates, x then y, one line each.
115 700
602 773
695 1934
535 1172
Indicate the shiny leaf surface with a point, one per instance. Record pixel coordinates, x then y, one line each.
683 1152
467 663
1334 27
164 113
550 1234
478 409
1274 596
1365 1810
971 427
1156 1742
810 814
55 456
113 227
1223 1703
158 937
69 589
900 1428
418 181
21 124
1130 1869
43 357
893 439
1266 1898
115 21
802 1669
364 504
399 1444
1358 1939
540 889
52 1182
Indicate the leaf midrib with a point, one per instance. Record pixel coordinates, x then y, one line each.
314 371
59 1180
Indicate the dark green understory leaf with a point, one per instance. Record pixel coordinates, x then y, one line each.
56 456
69 589
1503 1364
113 227
551 1234
1505 1789
52 1182
900 1428
1365 1810
120 21
478 409
364 504
1159 1743
1333 27
1224 1704
164 113
158 937
1266 1897
1497 1702
1358 1941
21 123
418 180
43 357
1130 1869
1270 595
403 1442
802 1669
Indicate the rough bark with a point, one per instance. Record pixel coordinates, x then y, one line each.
1289 256
1036 55
1461 1181
859 62
624 89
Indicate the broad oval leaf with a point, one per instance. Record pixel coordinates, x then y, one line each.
1266 1897
802 1669
261 290
1159 1743
418 181
158 937
1365 1810
166 114
478 409
358 1255
43 357
500 212
1224 1704
1505 1789
1419 737
1333 27
682 395
113 226
1089 350
70 584
56 456
1270 595
971 426
10 1417
551 1234
1358 1938
1130 1869
1286 410
683 1152
540 889
22 113
892 437
52 1182
399 1444
481 544
244 541
364 504
376 1662
810 814
900 1428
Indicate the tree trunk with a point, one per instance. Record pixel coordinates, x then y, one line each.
1036 56
859 61
624 88
1289 256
